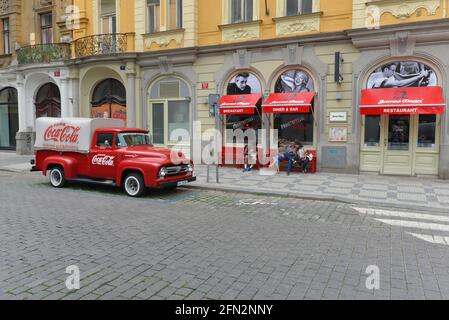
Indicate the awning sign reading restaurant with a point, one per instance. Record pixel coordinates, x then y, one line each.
413 100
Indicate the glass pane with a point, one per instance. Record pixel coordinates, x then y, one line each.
153 17
292 7
180 13
306 6
113 24
4 127
372 131
158 123
248 10
178 118
427 130
5 24
294 127
398 132
236 11
243 122
104 140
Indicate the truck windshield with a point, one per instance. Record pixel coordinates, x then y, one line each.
133 139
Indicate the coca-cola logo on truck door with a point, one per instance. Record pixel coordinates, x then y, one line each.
62 133
103 160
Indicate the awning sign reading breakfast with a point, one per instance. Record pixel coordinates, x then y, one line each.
239 104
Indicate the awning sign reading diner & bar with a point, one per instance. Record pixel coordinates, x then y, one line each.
297 102
239 104
416 100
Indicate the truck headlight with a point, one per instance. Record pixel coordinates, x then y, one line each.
163 172
190 168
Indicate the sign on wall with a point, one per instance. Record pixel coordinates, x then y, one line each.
338 116
401 74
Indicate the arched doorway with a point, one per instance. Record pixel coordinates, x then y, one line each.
109 100
48 101
9 118
401 108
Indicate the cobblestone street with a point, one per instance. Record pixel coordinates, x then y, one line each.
192 244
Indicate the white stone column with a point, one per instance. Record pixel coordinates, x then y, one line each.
65 103
21 103
131 101
75 98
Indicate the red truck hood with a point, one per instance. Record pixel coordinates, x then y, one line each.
151 152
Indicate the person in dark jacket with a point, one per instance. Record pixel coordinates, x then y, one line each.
240 85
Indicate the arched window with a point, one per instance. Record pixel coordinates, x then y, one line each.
48 101
169 113
9 119
109 100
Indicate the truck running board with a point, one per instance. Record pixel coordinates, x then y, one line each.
102 182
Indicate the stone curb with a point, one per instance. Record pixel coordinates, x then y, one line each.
297 195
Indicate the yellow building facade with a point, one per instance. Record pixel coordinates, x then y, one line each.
155 63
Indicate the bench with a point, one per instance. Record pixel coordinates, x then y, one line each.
311 167
231 153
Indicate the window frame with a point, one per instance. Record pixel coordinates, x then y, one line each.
157 17
243 12
165 102
46 28
179 18
300 8
6 35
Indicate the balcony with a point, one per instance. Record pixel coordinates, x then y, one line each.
104 44
44 53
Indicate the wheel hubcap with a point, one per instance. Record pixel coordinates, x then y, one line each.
56 177
132 186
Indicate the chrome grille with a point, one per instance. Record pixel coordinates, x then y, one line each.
177 170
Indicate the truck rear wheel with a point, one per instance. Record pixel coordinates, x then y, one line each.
57 178
134 185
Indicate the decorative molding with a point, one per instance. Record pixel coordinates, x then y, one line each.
242 59
165 65
4 6
293 54
402 44
240 31
163 38
404 9
304 23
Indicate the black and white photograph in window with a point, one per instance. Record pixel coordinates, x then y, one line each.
401 74
294 81
244 83
294 127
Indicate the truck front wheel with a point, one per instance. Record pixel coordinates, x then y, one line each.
57 178
134 185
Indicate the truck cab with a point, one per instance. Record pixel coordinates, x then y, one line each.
116 155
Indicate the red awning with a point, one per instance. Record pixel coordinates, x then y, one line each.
239 104
416 100
296 102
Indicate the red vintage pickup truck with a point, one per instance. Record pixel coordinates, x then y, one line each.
103 151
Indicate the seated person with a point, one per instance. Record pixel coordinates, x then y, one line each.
302 158
290 154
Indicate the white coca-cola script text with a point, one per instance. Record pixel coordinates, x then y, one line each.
103 160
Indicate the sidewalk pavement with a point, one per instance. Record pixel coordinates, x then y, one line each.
401 192
392 191
9 161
